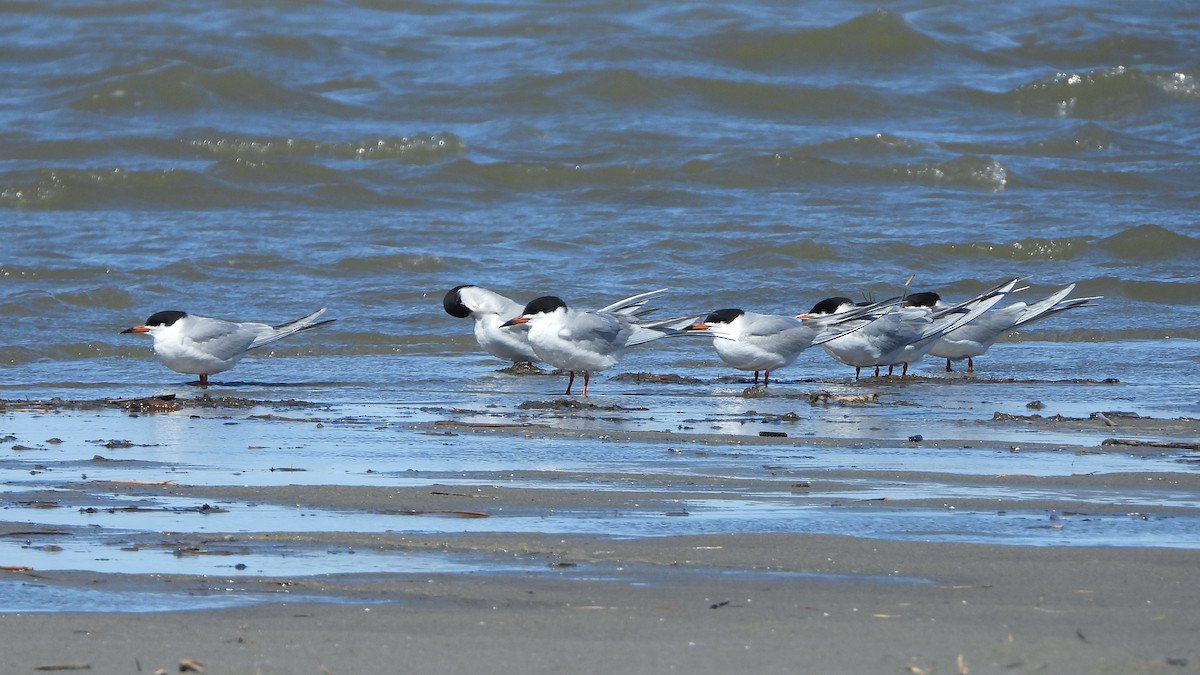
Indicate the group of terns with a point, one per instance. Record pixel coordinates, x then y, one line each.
893 332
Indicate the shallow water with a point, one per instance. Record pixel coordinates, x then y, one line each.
258 162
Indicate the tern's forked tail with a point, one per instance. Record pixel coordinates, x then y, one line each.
291 328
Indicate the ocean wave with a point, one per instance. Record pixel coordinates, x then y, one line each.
416 148
1065 35
1111 93
1034 248
1179 292
389 263
880 37
772 99
1151 242
783 255
159 85
873 145
68 188
1139 243
966 171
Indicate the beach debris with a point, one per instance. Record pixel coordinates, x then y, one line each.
442 493
203 509
458 513
572 404
1035 405
65 666
150 404
485 425
281 418
15 568
824 397
773 434
657 379
523 368
19 448
1183 445
287 468
1115 414
719 605
190 666
916 438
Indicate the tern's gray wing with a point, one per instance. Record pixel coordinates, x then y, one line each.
223 339
763 325
595 329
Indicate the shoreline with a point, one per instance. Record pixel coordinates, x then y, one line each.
756 603
560 535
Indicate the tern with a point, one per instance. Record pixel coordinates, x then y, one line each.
902 334
199 345
977 337
490 311
765 342
589 341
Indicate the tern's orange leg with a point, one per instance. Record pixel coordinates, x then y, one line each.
586 376
948 368
203 379
766 377
970 365
570 382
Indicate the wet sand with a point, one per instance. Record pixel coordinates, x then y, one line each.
536 568
753 603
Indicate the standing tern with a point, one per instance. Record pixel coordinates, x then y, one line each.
199 345
977 337
588 341
490 311
765 342
882 341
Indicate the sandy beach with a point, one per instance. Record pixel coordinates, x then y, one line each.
755 603
677 563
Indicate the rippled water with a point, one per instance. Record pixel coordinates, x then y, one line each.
258 161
